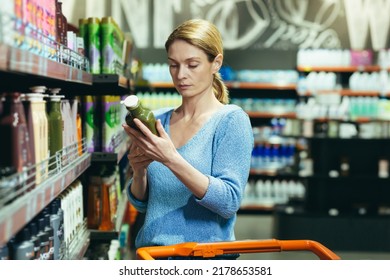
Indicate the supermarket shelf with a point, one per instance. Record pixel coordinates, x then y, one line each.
253 114
23 63
349 92
367 68
254 85
256 210
100 235
238 85
114 156
79 245
121 210
112 84
17 214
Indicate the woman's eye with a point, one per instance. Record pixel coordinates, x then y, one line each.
173 66
193 65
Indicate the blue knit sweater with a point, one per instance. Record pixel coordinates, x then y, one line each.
221 150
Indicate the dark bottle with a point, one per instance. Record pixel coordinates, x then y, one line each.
44 238
55 224
4 254
24 247
136 110
15 149
36 240
60 232
50 232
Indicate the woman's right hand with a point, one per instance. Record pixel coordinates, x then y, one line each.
137 160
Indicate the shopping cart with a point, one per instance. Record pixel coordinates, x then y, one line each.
210 250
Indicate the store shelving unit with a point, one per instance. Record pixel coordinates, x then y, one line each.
233 85
362 68
17 214
23 69
117 155
110 84
352 203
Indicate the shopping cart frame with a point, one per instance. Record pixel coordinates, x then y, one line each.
210 250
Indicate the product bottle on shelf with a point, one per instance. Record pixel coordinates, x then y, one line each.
55 125
60 232
4 253
94 46
136 110
35 239
32 123
44 238
33 106
94 211
50 232
14 149
24 247
108 182
43 139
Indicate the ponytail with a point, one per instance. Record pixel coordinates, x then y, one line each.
220 89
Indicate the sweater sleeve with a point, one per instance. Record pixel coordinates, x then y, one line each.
232 149
138 204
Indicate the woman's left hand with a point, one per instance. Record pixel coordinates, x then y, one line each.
159 148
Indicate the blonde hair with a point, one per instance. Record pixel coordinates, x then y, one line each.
206 36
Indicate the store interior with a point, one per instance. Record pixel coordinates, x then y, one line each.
314 83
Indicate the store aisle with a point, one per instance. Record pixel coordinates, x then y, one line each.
260 227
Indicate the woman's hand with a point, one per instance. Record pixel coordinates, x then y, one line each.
137 159
152 147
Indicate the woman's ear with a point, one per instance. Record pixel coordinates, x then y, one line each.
218 60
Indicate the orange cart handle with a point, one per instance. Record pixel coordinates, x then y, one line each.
209 250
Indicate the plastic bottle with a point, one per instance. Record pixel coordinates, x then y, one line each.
14 149
24 247
136 110
36 240
44 238
108 180
4 254
55 125
38 93
50 232
60 232
94 45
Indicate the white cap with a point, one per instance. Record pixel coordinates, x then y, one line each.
131 101
54 97
38 89
34 96
55 90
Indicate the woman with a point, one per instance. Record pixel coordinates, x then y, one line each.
190 179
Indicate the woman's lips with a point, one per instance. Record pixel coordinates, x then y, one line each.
184 86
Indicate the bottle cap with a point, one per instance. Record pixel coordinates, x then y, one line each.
131 101
54 95
34 96
38 89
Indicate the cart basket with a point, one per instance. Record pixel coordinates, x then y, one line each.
210 250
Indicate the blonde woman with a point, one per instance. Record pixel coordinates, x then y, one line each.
189 180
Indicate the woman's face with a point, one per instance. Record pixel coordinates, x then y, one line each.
191 72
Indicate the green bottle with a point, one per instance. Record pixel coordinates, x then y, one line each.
55 124
136 110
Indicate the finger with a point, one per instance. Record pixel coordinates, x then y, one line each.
161 129
131 131
144 129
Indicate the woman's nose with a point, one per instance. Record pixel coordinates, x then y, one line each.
181 72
